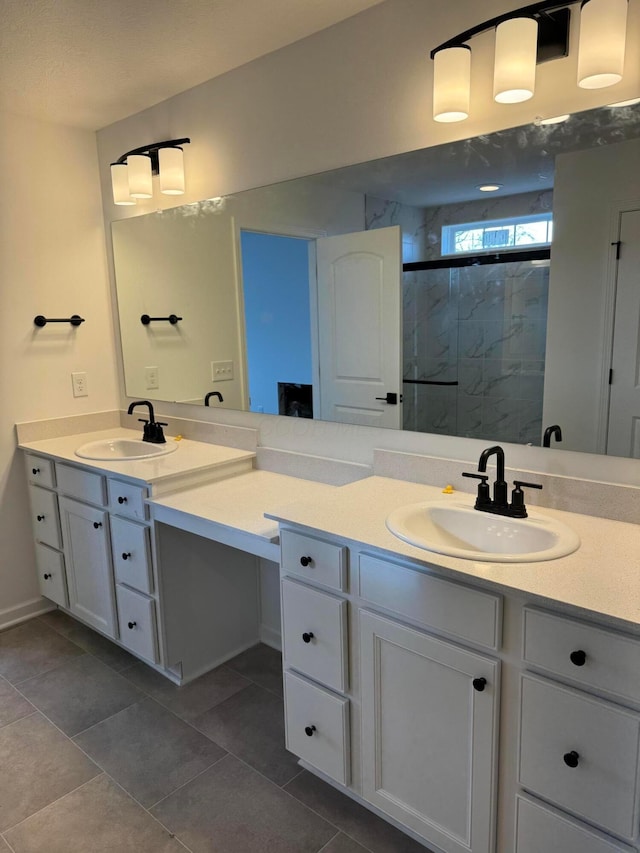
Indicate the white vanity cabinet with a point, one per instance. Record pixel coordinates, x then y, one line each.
383 693
45 520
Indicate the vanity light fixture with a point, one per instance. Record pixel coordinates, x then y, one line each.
132 174
551 120
524 38
489 188
630 103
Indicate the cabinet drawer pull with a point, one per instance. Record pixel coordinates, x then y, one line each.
306 561
122 500
97 524
40 517
47 576
132 625
35 471
309 730
479 684
571 759
307 637
578 658
126 555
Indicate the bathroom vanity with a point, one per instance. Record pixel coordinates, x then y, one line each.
479 706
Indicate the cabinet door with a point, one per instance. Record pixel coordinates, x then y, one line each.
51 574
88 563
429 734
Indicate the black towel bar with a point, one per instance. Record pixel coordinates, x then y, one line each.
172 318
74 319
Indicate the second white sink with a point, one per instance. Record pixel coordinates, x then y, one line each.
123 449
459 530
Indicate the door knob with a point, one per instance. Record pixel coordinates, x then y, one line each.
307 637
479 684
309 730
571 759
131 625
578 658
40 517
97 524
126 555
391 398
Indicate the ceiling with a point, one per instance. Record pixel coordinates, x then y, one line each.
89 63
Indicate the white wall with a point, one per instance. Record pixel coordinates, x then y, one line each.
590 188
357 91
52 262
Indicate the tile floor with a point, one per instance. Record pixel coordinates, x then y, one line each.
100 753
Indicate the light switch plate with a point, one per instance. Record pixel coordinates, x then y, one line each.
221 370
151 378
79 382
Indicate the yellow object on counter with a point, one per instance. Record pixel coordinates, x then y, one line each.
178 438
448 489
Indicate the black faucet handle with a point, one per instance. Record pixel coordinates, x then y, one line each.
483 498
143 420
520 483
517 508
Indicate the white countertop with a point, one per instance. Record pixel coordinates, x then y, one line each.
191 458
602 576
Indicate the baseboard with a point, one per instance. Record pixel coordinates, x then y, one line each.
271 637
22 612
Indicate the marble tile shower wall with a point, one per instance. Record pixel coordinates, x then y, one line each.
484 327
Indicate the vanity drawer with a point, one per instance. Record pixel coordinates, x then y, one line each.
127 499
322 562
317 726
137 623
468 614
314 633
539 827
131 554
595 657
559 727
44 517
40 471
51 575
84 485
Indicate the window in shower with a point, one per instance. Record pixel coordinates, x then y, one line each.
489 235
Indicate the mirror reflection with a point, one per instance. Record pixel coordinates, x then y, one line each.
405 293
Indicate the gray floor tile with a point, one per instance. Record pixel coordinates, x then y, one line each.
358 823
32 648
148 750
260 664
251 726
59 621
4 848
100 647
343 844
232 809
39 765
194 698
13 706
80 694
96 817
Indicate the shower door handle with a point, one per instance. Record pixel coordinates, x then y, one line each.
391 398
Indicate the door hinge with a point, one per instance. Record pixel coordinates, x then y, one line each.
617 244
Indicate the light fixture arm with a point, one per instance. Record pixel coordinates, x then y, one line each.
553 20
152 152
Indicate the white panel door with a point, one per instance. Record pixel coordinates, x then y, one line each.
623 437
429 734
360 323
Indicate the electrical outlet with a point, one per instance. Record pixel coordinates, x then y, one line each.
151 378
79 382
221 370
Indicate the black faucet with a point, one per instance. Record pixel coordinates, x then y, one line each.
551 431
213 394
499 504
152 431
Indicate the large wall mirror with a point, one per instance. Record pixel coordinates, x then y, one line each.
402 293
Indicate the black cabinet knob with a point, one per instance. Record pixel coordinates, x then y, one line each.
131 625
35 471
126 555
40 517
97 524
307 637
578 658
46 576
306 561
122 500
479 684
571 759
309 730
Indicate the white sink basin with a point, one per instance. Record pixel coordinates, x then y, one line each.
124 449
459 530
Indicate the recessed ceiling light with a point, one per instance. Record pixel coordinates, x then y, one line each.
628 103
552 119
489 188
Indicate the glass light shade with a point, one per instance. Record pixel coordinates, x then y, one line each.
139 173
630 103
171 162
451 84
514 73
603 28
120 184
